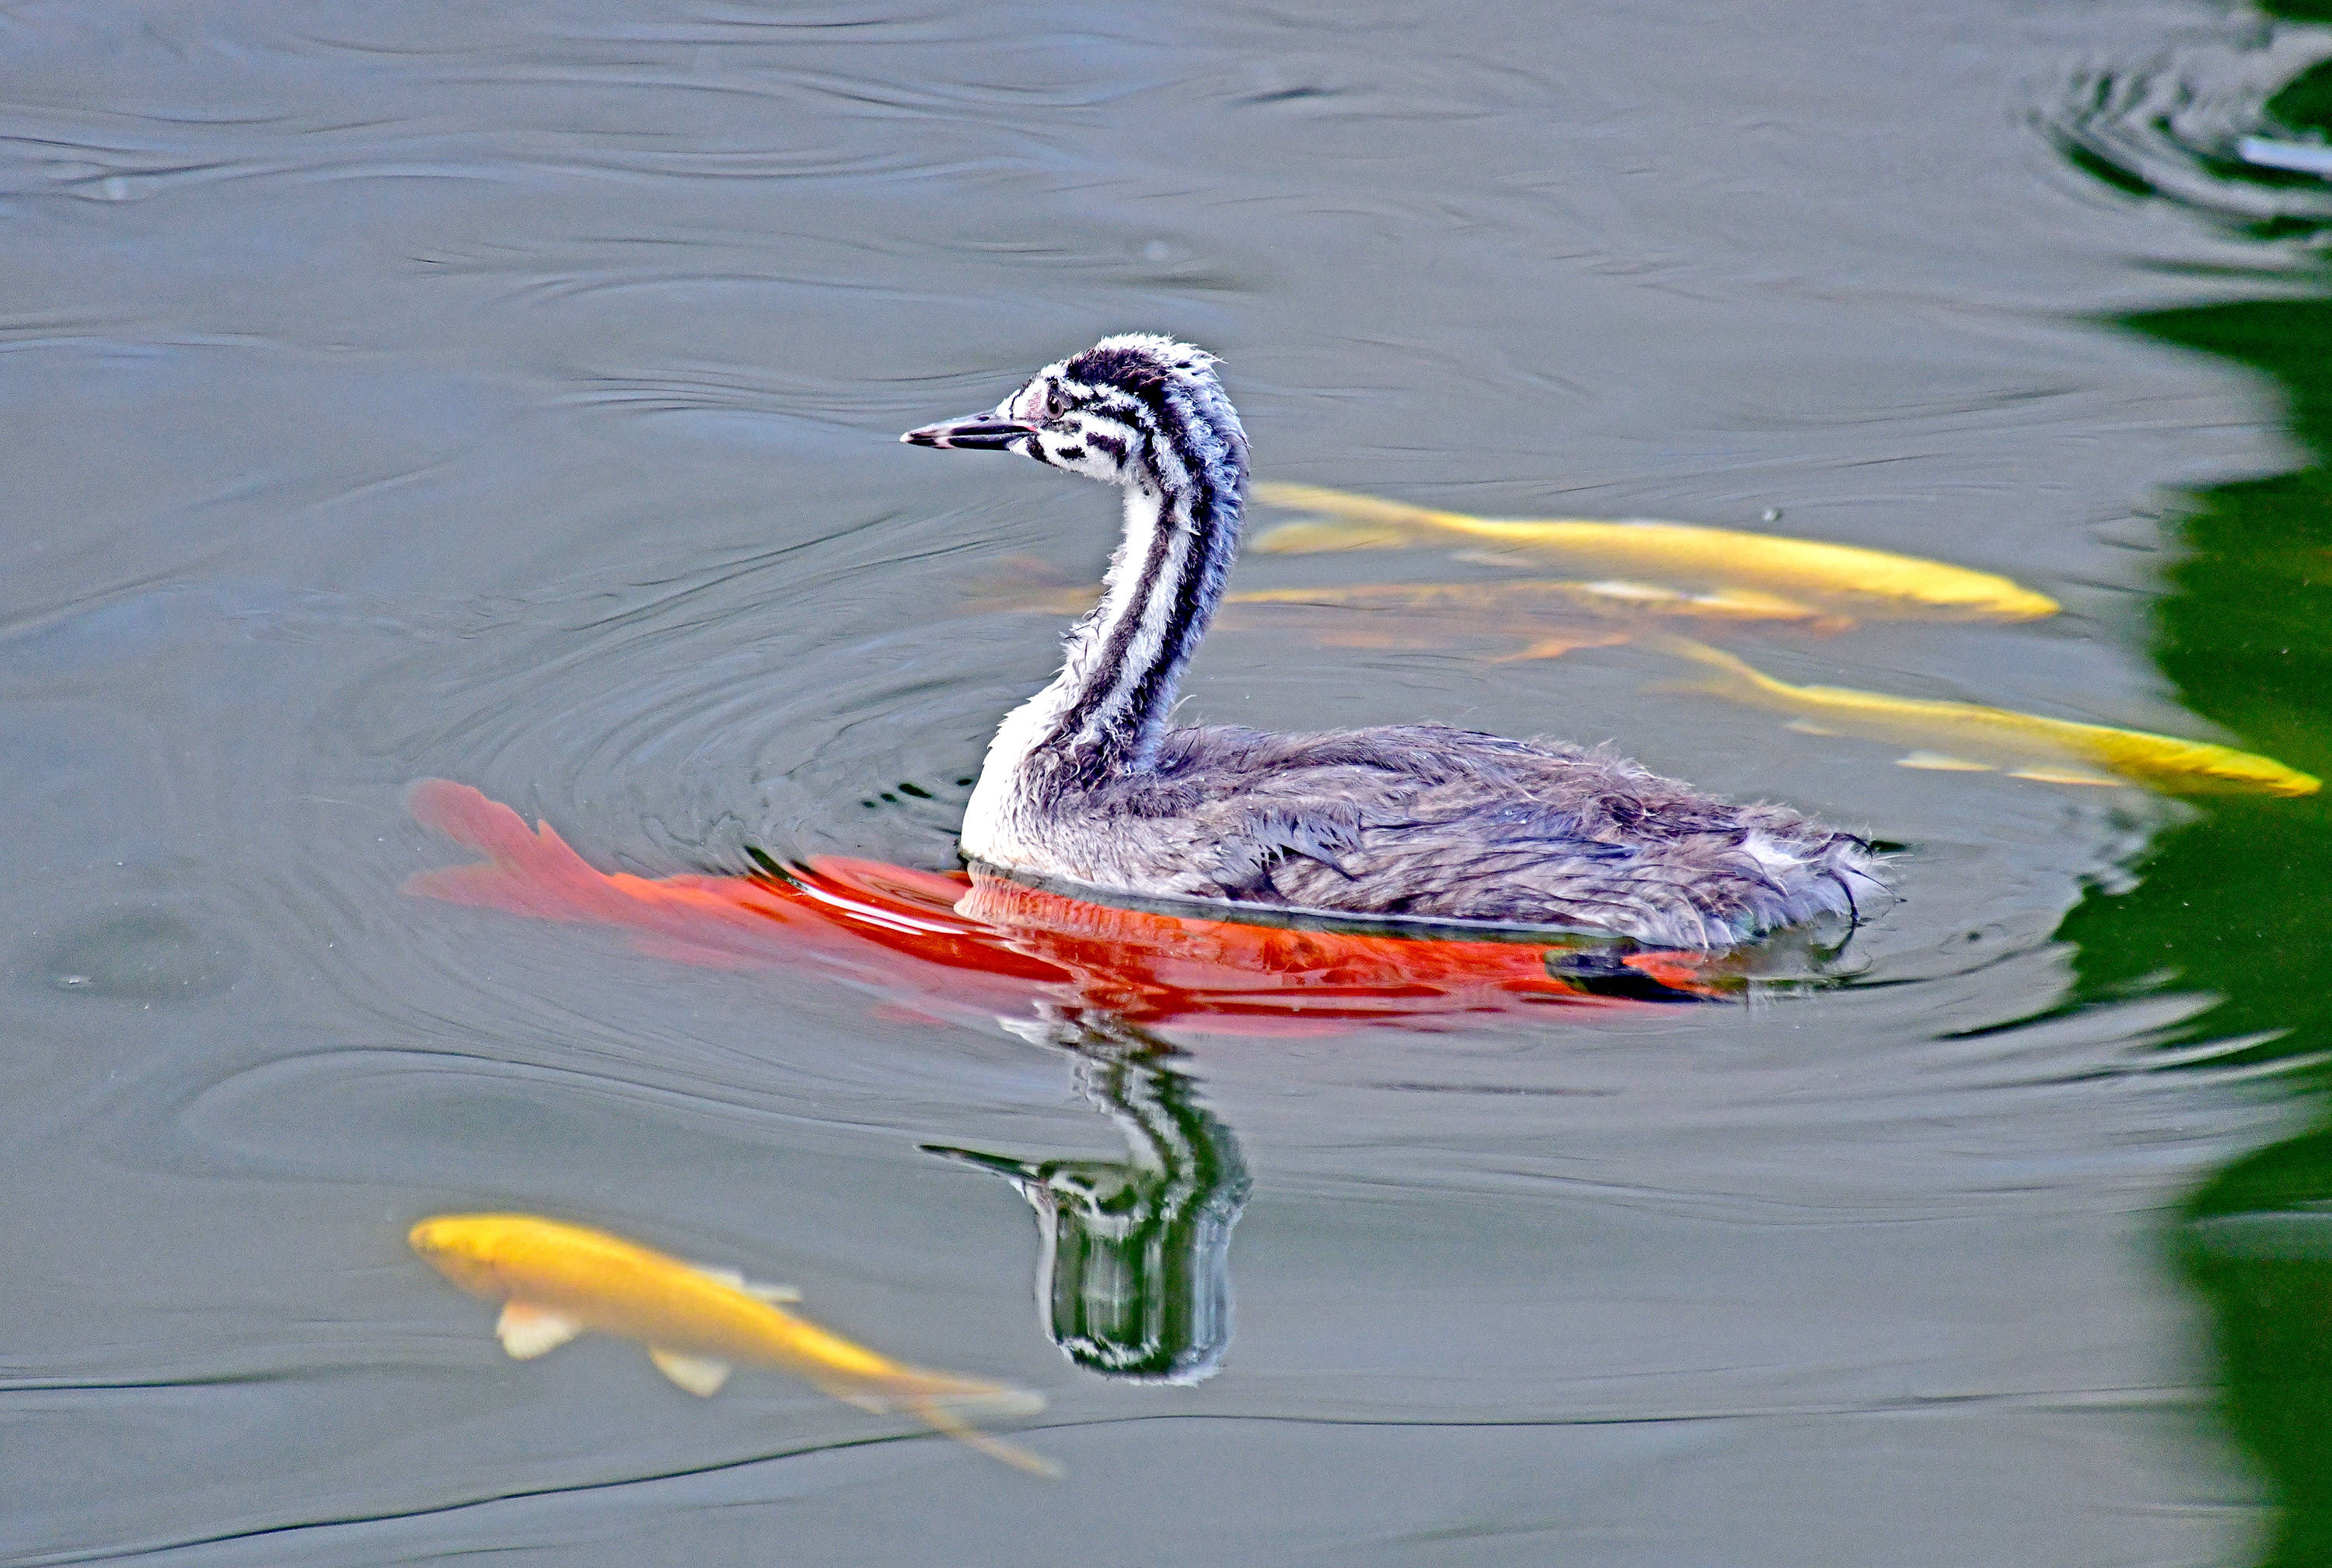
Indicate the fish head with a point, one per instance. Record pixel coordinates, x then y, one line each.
1136 410
469 1249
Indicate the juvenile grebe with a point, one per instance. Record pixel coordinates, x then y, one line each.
1085 783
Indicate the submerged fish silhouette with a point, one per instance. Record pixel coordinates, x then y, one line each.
557 1281
1981 738
1614 599
978 947
1871 581
1551 616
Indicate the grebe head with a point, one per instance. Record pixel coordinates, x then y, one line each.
1136 410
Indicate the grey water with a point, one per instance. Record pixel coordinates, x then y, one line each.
509 394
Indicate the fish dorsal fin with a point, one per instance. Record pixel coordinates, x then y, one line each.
735 1280
700 1375
527 1331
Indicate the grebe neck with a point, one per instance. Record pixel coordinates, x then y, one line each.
1126 657
1104 713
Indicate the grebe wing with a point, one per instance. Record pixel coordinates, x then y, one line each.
1429 820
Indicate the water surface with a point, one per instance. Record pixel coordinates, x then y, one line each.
510 398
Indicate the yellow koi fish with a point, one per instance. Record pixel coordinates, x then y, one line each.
1978 737
1614 599
1871 580
1611 599
556 1281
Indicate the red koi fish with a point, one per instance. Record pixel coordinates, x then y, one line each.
962 945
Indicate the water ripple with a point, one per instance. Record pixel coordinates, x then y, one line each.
2172 128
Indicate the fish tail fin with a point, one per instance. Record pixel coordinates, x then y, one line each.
1312 538
1727 677
1676 645
944 1402
908 1389
465 815
1322 502
1359 521
944 1419
527 871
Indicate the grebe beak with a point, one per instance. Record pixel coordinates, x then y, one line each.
979 433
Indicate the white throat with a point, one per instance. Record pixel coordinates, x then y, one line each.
1109 654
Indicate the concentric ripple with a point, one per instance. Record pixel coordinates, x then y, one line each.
2199 125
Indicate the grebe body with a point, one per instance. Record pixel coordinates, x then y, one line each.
1086 783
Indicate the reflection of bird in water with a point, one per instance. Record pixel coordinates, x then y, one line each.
1134 1278
1085 782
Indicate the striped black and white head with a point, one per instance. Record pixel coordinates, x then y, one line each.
1135 410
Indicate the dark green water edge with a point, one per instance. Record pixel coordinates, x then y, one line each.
2236 903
